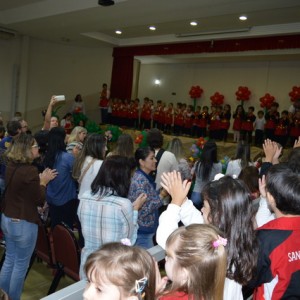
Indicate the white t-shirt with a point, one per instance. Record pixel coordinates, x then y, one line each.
90 175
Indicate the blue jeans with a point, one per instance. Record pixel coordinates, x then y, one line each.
20 238
144 240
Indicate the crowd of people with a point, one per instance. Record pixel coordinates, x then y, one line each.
237 235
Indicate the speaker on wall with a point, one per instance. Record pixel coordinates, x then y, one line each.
106 2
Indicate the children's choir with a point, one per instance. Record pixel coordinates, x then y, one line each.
184 120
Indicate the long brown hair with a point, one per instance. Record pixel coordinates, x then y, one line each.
232 212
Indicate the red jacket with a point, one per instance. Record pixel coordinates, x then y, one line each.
278 267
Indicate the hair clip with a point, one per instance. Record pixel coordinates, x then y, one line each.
126 242
140 285
220 241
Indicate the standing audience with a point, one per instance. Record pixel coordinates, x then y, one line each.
105 212
62 191
241 160
87 164
176 147
227 205
205 170
166 161
24 190
143 183
124 146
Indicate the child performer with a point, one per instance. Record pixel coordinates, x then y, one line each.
282 129
225 117
238 117
195 263
203 122
259 125
272 117
295 127
120 272
247 125
178 119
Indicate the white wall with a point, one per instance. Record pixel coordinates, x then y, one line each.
53 69
274 77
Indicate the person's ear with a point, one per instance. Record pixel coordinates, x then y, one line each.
271 200
141 162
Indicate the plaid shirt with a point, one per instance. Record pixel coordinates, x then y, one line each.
104 220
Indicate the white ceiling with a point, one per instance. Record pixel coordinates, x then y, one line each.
85 23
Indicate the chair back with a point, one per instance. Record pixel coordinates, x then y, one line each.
43 248
66 250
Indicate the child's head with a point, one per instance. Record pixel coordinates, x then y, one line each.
250 175
227 107
205 108
239 109
260 114
283 189
243 153
284 114
196 261
274 106
250 109
117 271
227 205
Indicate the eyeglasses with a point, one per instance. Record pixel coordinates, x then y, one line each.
35 146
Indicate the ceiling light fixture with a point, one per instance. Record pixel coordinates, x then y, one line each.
193 23
243 18
152 27
157 82
118 32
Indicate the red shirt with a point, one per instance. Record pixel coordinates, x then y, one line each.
175 296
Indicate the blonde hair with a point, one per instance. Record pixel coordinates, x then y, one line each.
122 266
20 149
73 137
205 263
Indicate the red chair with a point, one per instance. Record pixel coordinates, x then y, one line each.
43 248
66 253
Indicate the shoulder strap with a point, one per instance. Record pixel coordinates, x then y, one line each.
157 157
85 170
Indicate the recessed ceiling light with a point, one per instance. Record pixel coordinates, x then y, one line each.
193 23
152 27
118 32
243 18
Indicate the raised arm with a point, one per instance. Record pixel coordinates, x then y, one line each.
48 115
